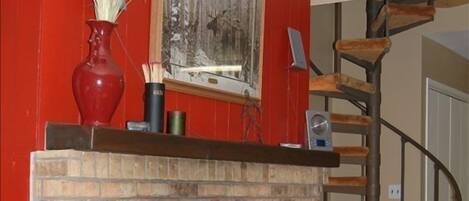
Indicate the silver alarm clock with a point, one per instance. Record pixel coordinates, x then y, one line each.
319 130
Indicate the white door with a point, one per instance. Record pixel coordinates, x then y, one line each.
447 138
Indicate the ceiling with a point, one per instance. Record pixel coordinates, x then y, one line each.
457 41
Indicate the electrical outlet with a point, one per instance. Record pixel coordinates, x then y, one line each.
394 192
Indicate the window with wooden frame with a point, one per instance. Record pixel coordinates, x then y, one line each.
210 48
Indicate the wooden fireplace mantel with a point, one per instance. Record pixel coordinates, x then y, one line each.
66 136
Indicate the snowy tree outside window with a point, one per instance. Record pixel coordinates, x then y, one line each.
214 43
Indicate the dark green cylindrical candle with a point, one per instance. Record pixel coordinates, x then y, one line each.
176 123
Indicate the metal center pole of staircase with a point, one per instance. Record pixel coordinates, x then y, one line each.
372 11
337 35
373 140
374 111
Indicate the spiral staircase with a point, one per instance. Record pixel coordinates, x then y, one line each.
384 19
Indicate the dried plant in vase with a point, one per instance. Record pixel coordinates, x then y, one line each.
109 10
98 82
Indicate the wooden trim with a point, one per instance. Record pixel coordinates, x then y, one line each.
156 31
60 136
445 89
184 87
323 2
261 51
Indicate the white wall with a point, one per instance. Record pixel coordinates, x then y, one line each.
322 38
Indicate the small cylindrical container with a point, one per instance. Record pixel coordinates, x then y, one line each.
176 123
154 106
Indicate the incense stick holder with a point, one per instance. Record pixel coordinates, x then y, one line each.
154 106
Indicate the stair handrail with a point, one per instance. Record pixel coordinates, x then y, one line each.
407 139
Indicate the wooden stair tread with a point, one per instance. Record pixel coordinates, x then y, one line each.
347 181
366 44
437 4
359 190
415 10
352 155
352 151
363 52
350 119
403 16
349 185
334 85
350 124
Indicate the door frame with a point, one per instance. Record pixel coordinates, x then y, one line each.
444 89
449 91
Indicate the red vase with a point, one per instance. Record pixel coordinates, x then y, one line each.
98 82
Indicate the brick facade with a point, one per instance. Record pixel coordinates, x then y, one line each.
90 176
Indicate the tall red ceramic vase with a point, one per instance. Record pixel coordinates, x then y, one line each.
98 82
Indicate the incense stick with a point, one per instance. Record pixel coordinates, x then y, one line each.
153 72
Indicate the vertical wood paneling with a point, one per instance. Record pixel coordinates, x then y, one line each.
202 117
273 65
303 77
278 64
46 39
222 120
293 100
18 94
266 70
292 84
235 129
61 49
173 104
119 56
184 104
137 16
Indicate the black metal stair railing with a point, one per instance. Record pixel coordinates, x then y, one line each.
438 165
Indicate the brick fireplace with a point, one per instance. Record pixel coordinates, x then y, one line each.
97 176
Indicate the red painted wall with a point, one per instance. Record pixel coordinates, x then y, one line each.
18 94
43 40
